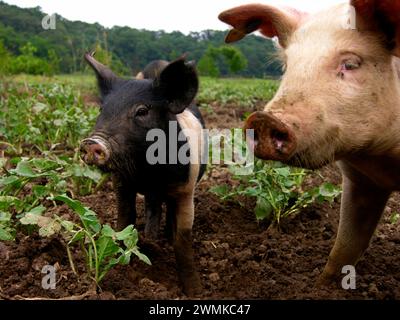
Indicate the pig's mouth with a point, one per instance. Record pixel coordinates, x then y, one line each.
270 138
303 160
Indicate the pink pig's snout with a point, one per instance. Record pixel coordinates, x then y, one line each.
94 152
273 140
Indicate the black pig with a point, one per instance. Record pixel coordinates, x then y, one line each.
160 96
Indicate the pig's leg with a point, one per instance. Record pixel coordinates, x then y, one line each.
170 228
362 206
184 217
153 216
126 202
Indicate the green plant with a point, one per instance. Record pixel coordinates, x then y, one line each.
102 246
37 118
28 185
7 229
47 177
277 189
238 92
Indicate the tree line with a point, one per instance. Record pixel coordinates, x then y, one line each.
26 47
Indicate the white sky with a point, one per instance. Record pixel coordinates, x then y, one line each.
168 15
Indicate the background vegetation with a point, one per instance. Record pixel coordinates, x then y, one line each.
127 50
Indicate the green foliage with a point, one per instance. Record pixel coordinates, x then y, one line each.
29 63
7 230
47 177
240 92
43 117
130 49
48 180
107 58
103 247
227 56
208 67
45 120
5 57
277 190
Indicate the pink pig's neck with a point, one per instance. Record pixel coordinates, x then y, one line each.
383 170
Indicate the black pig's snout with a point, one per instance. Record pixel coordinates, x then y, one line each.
94 151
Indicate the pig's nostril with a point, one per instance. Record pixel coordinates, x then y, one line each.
93 152
255 135
99 153
279 135
279 139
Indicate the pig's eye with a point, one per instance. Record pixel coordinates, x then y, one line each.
350 65
142 111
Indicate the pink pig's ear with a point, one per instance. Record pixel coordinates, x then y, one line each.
271 21
380 15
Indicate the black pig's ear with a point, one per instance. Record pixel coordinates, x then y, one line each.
106 79
178 83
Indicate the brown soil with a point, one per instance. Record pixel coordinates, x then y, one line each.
237 257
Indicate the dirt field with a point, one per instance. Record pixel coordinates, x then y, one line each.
237 257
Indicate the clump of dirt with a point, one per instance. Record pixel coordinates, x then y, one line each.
237 257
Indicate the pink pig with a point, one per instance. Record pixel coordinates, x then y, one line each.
339 100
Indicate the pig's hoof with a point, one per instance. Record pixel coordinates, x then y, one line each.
191 285
325 281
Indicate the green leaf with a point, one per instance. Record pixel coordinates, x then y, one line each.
75 205
39 107
220 191
263 209
108 231
5 217
329 190
5 235
3 162
106 247
33 217
77 236
68 225
8 200
285 171
125 257
37 210
252 192
43 165
142 257
8 181
85 171
88 217
90 221
50 227
24 169
40 191
131 241
30 219
127 233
